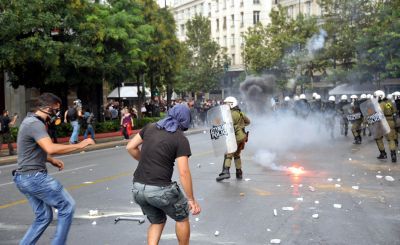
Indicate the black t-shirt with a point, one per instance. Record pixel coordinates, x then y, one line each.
159 151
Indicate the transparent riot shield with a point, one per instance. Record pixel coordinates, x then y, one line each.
222 132
350 113
375 118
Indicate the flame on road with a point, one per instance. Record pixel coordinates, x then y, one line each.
296 170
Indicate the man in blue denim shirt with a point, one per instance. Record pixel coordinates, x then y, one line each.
42 191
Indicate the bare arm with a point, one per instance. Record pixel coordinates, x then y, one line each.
48 146
186 181
133 146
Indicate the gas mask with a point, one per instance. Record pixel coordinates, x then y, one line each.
53 116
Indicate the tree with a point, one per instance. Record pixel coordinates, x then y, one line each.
202 57
280 47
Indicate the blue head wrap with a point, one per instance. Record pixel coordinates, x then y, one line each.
178 117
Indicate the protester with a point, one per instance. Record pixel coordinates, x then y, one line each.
42 191
5 132
73 115
87 124
126 123
163 143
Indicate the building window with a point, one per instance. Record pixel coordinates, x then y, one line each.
256 17
233 40
241 3
232 3
233 20
217 22
217 6
209 9
224 4
218 41
225 42
224 24
308 8
256 1
241 39
241 19
233 59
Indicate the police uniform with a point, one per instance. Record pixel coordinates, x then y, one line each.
344 122
240 121
356 122
329 116
389 111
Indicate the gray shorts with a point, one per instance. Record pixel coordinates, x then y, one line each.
157 202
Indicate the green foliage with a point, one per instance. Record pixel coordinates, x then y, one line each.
280 47
202 57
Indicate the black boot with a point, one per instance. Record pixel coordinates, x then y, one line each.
393 155
239 173
359 139
224 174
382 155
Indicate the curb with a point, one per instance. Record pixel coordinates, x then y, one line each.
116 141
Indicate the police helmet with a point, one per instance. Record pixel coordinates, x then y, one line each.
296 97
379 94
353 97
396 95
389 96
343 97
363 96
287 98
314 95
302 96
369 96
231 101
318 97
331 98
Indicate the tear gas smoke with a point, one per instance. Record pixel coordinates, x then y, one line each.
279 134
257 92
316 42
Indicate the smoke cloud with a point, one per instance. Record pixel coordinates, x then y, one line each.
257 91
316 42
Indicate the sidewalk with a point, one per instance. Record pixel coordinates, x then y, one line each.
103 141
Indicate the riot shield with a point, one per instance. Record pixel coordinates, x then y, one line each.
222 132
375 118
351 113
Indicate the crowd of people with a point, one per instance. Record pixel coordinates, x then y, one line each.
350 115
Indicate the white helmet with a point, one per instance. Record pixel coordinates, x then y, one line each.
343 97
363 96
379 94
331 98
231 101
389 96
396 95
354 97
369 96
302 96
287 98
296 97
314 95
78 102
318 97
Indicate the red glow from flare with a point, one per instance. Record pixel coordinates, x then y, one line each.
296 170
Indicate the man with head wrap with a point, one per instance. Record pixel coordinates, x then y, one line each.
163 143
240 121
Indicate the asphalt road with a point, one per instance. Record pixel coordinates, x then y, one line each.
241 211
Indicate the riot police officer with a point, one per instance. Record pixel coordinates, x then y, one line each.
329 110
302 107
389 112
356 119
344 122
240 121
